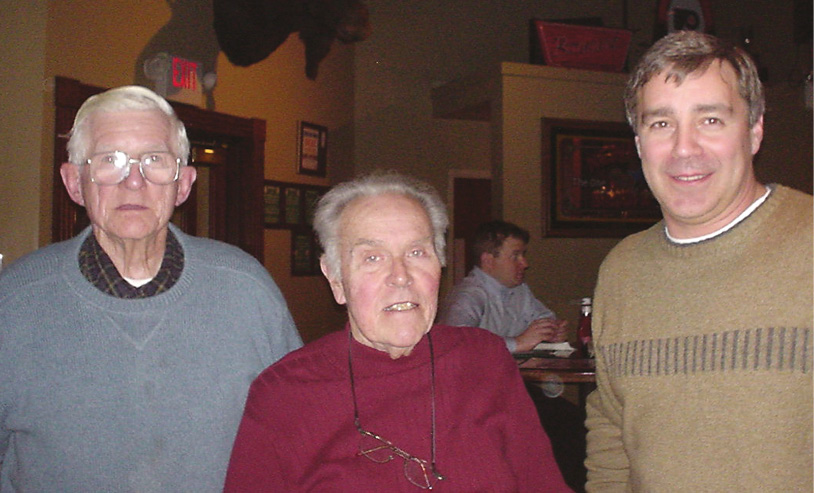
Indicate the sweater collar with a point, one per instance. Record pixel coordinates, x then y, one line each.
743 215
735 237
368 361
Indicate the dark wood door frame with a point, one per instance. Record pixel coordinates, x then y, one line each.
243 189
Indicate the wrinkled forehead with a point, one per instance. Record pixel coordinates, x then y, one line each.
148 126
382 218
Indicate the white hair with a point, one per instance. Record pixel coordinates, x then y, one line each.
332 204
122 99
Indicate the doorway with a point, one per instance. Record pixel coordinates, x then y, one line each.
471 205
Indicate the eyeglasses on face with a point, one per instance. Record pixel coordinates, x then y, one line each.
417 471
111 168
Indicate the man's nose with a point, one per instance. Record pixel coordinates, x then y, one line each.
399 274
686 141
134 179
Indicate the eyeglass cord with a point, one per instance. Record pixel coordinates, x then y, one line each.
432 401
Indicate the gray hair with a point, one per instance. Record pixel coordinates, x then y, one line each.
123 98
332 204
685 52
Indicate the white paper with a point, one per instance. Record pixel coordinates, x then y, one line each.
560 349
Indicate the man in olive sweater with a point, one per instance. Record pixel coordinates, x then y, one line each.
702 323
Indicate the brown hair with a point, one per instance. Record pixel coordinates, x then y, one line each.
490 236
682 53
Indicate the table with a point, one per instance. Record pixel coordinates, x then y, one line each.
541 368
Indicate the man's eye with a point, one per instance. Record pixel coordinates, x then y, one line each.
712 120
372 258
418 252
658 124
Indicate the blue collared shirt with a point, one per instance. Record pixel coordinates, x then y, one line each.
480 300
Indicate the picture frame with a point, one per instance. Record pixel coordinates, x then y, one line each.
291 206
592 180
312 155
305 252
288 205
272 198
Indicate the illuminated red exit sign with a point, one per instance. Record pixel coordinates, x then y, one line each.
184 74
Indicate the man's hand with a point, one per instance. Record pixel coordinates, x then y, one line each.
541 330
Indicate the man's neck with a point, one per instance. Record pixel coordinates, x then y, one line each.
759 195
134 258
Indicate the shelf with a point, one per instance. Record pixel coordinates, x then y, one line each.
472 98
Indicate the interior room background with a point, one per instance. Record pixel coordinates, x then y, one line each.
379 100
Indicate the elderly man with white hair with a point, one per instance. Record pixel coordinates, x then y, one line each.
393 402
126 352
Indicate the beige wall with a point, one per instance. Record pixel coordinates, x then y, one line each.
22 50
563 270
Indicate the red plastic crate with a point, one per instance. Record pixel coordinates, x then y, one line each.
585 47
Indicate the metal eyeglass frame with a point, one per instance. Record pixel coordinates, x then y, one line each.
429 480
125 167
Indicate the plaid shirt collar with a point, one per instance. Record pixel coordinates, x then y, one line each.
98 269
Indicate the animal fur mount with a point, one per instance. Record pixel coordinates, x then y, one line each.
248 31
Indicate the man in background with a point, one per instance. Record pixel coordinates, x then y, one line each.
126 353
494 295
702 323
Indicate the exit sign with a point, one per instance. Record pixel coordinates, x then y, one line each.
176 78
184 74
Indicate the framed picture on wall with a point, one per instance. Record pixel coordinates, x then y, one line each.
290 205
271 204
293 205
313 149
305 252
592 180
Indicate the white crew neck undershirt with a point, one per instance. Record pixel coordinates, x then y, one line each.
743 215
137 283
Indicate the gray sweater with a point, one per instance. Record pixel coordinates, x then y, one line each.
105 394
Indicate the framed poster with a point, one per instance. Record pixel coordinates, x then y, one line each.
592 180
271 204
313 149
305 252
293 205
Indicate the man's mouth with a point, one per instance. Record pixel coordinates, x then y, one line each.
688 178
401 307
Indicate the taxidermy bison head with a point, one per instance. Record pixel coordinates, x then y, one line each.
248 31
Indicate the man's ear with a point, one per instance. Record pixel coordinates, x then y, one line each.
756 134
186 178
337 288
487 261
72 180
638 146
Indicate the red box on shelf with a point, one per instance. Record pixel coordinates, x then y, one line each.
585 47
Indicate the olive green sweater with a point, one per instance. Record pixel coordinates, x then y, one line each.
704 358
